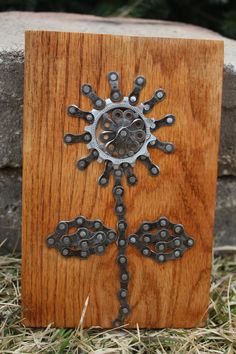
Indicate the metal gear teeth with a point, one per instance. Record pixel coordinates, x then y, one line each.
118 130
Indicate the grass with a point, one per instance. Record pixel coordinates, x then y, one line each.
218 337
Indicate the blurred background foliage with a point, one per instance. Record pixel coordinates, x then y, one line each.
218 15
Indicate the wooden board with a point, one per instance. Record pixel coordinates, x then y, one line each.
54 289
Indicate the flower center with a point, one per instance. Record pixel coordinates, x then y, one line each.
121 132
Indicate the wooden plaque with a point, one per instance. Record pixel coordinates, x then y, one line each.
54 288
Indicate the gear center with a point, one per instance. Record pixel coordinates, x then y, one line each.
120 132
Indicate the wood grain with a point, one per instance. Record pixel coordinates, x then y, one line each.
54 289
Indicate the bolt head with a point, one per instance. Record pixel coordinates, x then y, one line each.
160 94
86 89
119 191
84 245
66 240
113 76
132 179
87 137
62 226
177 242
125 310
111 235
132 240
147 239
95 153
124 277
119 209
163 233
122 243
100 249
97 224
170 120
122 259
98 103
123 294
121 225
190 242
115 95
103 181
161 258
72 109
133 99
169 147
99 237
65 252
50 241
177 253
145 252
68 138
123 133
79 221
81 164
118 173
82 233
163 222
89 117
154 170
178 229
146 227
161 247
140 80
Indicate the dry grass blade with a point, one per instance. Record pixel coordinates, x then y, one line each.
218 337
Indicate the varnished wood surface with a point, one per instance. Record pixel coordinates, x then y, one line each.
54 289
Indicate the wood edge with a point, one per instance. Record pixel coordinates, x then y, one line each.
219 41
221 49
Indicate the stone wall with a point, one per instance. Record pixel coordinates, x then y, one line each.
12 27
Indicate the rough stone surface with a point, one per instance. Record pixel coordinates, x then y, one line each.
227 153
225 217
12 27
11 108
10 210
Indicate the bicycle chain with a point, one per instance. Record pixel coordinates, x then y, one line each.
75 111
97 102
158 96
91 237
169 241
118 192
139 83
115 93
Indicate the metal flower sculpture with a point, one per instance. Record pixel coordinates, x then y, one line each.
119 134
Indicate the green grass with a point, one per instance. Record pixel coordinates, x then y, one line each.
218 337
